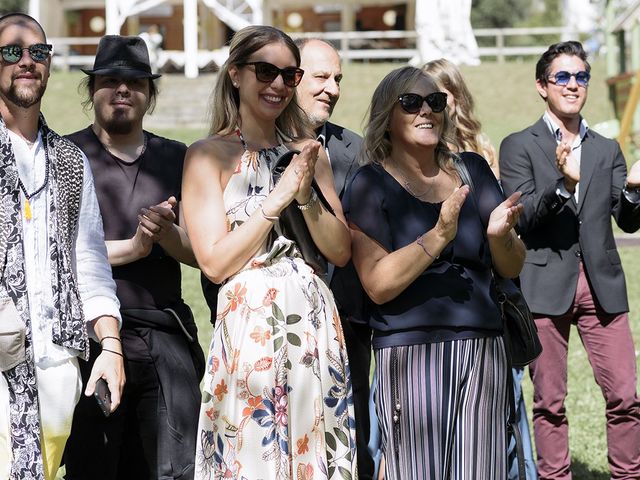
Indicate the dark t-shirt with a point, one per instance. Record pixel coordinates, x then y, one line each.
123 189
454 297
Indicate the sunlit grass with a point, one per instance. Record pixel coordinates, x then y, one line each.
506 102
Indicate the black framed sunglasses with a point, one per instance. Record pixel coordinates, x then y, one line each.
267 73
412 102
563 78
38 52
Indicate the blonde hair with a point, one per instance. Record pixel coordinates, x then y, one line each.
467 129
376 146
225 100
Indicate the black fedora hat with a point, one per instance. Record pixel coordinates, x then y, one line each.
120 56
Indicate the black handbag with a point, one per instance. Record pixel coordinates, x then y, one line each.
520 332
292 222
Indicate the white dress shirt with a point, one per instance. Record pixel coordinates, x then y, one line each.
576 147
93 273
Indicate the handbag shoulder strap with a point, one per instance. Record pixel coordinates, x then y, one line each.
280 164
463 171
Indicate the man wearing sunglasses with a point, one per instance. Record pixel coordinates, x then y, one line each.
138 177
572 181
55 283
318 94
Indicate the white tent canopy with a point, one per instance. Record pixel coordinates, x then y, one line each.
444 30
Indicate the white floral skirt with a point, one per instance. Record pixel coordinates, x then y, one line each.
277 400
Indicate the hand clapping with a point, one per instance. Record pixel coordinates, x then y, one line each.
305 164
295 182
633 178
567 165
157 220
505 216
447 224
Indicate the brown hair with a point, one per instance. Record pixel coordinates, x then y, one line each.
225 101
377 146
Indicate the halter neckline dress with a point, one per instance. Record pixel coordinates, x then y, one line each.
277 400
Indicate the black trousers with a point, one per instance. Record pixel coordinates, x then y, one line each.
358 340
123 446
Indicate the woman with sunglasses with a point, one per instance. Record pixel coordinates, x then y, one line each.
424 249
277 400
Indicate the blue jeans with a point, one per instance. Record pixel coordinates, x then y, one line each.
523 425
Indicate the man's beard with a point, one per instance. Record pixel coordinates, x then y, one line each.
25 97
118 125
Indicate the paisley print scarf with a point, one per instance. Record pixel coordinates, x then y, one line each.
64 191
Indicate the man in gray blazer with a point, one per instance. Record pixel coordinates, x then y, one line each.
318 94
572 181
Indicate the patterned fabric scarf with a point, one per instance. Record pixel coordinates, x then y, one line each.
64 192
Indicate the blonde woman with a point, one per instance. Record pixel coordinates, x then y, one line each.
277 400
467 130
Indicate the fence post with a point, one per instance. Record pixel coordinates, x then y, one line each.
65 50
500 46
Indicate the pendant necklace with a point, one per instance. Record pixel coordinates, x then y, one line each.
407 185
28 214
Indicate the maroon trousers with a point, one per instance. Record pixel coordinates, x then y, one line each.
609 346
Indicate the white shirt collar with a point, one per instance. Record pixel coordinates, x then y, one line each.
555 129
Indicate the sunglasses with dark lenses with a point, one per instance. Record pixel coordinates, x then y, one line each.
38 52
563 78
412 102
267 73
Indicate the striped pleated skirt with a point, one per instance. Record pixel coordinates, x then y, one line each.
442 410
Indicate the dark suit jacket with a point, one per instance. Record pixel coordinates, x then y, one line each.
343 146
558 233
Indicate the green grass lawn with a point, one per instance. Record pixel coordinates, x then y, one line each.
506 101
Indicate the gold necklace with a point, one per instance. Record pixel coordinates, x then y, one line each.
407 185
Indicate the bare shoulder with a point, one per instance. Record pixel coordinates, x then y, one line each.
220 152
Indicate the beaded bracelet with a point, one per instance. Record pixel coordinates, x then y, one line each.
310 203
420 241
108 336
271 218
112 351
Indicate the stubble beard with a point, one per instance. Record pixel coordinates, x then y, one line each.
25 97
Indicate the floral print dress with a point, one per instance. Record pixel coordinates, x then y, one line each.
277 401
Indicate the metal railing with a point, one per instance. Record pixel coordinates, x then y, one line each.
63 54
501 51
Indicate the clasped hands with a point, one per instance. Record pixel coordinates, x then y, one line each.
154 224
295 182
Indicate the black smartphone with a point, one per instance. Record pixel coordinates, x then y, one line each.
103 396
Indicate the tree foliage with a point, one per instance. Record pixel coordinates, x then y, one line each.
515 13
498 13
7 6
